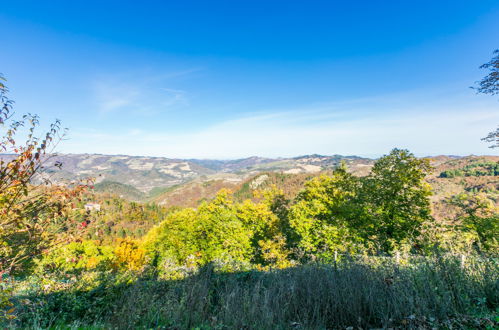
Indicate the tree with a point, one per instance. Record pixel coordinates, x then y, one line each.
31 215
323 215
493 137
172 241
490 85
268 223
480 216
129 255
395 199
220 234
212 233
5 102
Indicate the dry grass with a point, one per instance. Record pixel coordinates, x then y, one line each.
369 294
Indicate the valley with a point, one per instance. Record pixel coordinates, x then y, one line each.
187 182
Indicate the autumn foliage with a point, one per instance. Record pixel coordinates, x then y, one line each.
32 211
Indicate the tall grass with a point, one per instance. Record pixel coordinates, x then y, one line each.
370 293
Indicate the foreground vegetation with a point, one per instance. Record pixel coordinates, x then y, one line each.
366 293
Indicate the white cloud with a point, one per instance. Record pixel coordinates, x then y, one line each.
113 97
176 96
427 131
143 96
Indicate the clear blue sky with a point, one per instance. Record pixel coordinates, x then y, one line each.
227 79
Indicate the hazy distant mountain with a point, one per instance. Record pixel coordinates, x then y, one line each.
185 182
132 175
142 173
478 179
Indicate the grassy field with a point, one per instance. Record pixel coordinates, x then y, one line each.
365 293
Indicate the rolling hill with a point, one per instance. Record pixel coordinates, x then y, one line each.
151 175
187 182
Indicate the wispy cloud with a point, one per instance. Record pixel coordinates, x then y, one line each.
146 95
176 96
112 97
426 129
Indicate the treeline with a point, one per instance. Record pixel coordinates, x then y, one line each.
475 169
118 218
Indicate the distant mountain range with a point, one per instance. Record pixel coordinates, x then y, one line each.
144 175
187 182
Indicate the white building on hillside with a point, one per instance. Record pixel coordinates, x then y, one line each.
92 207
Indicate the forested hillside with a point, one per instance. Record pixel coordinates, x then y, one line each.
271 230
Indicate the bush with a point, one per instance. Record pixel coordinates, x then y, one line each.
77 257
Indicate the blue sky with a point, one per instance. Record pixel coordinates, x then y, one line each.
229 79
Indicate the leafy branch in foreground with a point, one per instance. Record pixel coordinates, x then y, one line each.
490 85
31 214
493 137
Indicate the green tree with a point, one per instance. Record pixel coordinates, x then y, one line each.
220 234
212 233
173 239
76 257
479 216
323 215
268 223
122 233
395 199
